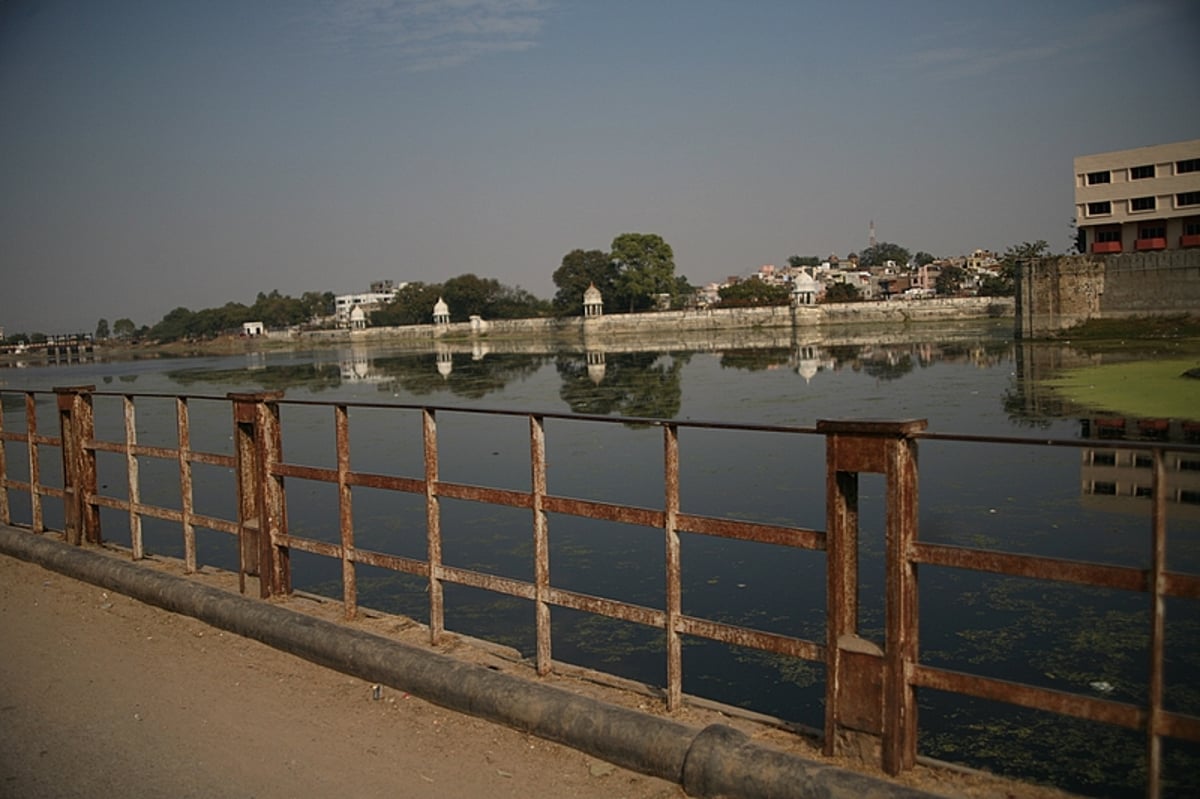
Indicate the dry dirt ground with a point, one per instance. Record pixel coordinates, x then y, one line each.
101 695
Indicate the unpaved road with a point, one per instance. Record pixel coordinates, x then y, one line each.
102 696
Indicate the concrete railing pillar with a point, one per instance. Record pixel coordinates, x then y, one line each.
262 523
77 428
870 706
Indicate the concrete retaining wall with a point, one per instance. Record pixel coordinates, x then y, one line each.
716 761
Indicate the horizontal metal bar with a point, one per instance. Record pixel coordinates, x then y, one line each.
212 459
385 481
607 607
493 496
304 472
1179 725
383 560
488 582
603 510
1037 567
751 531
313 546
1181 585
1014 693
214 523
754 639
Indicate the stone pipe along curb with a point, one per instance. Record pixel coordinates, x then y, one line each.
716 761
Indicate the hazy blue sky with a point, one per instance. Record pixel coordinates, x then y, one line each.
159 153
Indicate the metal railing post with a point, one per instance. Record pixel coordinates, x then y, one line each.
870 704
261 508
77 429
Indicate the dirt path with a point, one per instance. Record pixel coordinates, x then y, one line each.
101 695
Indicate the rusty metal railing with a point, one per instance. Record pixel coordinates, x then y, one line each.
870 689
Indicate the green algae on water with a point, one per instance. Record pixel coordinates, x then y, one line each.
1151 388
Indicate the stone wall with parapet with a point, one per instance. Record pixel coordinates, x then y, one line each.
1056 293
576 329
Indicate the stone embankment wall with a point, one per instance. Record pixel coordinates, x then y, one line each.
751 320
1057 293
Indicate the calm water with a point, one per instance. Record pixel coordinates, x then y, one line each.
973 381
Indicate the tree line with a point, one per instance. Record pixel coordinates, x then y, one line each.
637 273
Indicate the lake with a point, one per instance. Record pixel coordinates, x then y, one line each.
968 380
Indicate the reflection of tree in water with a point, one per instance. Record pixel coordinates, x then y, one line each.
468 378
635 384
755 360
314 377
889 366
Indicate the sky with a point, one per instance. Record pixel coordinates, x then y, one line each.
166 153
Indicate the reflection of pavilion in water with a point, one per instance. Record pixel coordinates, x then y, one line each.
1120 480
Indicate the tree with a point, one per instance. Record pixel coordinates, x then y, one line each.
1012 260
950 280
841 292
923 258
123 328
645 269
579 270
412 305
883 252
752 292
102 329
803 260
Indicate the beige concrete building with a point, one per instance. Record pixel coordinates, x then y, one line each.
1139 200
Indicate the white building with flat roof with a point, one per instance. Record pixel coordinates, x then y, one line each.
1139 200
367 301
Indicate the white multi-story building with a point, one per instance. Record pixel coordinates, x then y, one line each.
1139 200
382 292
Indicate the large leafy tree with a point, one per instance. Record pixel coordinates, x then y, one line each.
841 292
102 329
881 253
753 292
124 328
580 269
1010 262
950 280
645 269
412 305
803 260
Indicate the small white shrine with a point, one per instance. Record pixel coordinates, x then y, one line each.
593 303
441 312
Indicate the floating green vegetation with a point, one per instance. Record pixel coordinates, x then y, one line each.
1148 388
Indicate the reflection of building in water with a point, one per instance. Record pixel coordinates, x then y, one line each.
806 361
445 361
595 365
355 366
479 350
1122 479
256 361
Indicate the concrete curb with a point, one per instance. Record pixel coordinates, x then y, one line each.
716 761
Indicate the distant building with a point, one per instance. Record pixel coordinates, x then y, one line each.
382 292
1139 200
252 328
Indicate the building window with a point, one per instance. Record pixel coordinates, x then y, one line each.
1096 178
1187 165
1143 491
1142 204
1188 465
1152 232
1141 172
1105 208
1107 235
1143 461
1191 228
1104 488
1186 198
